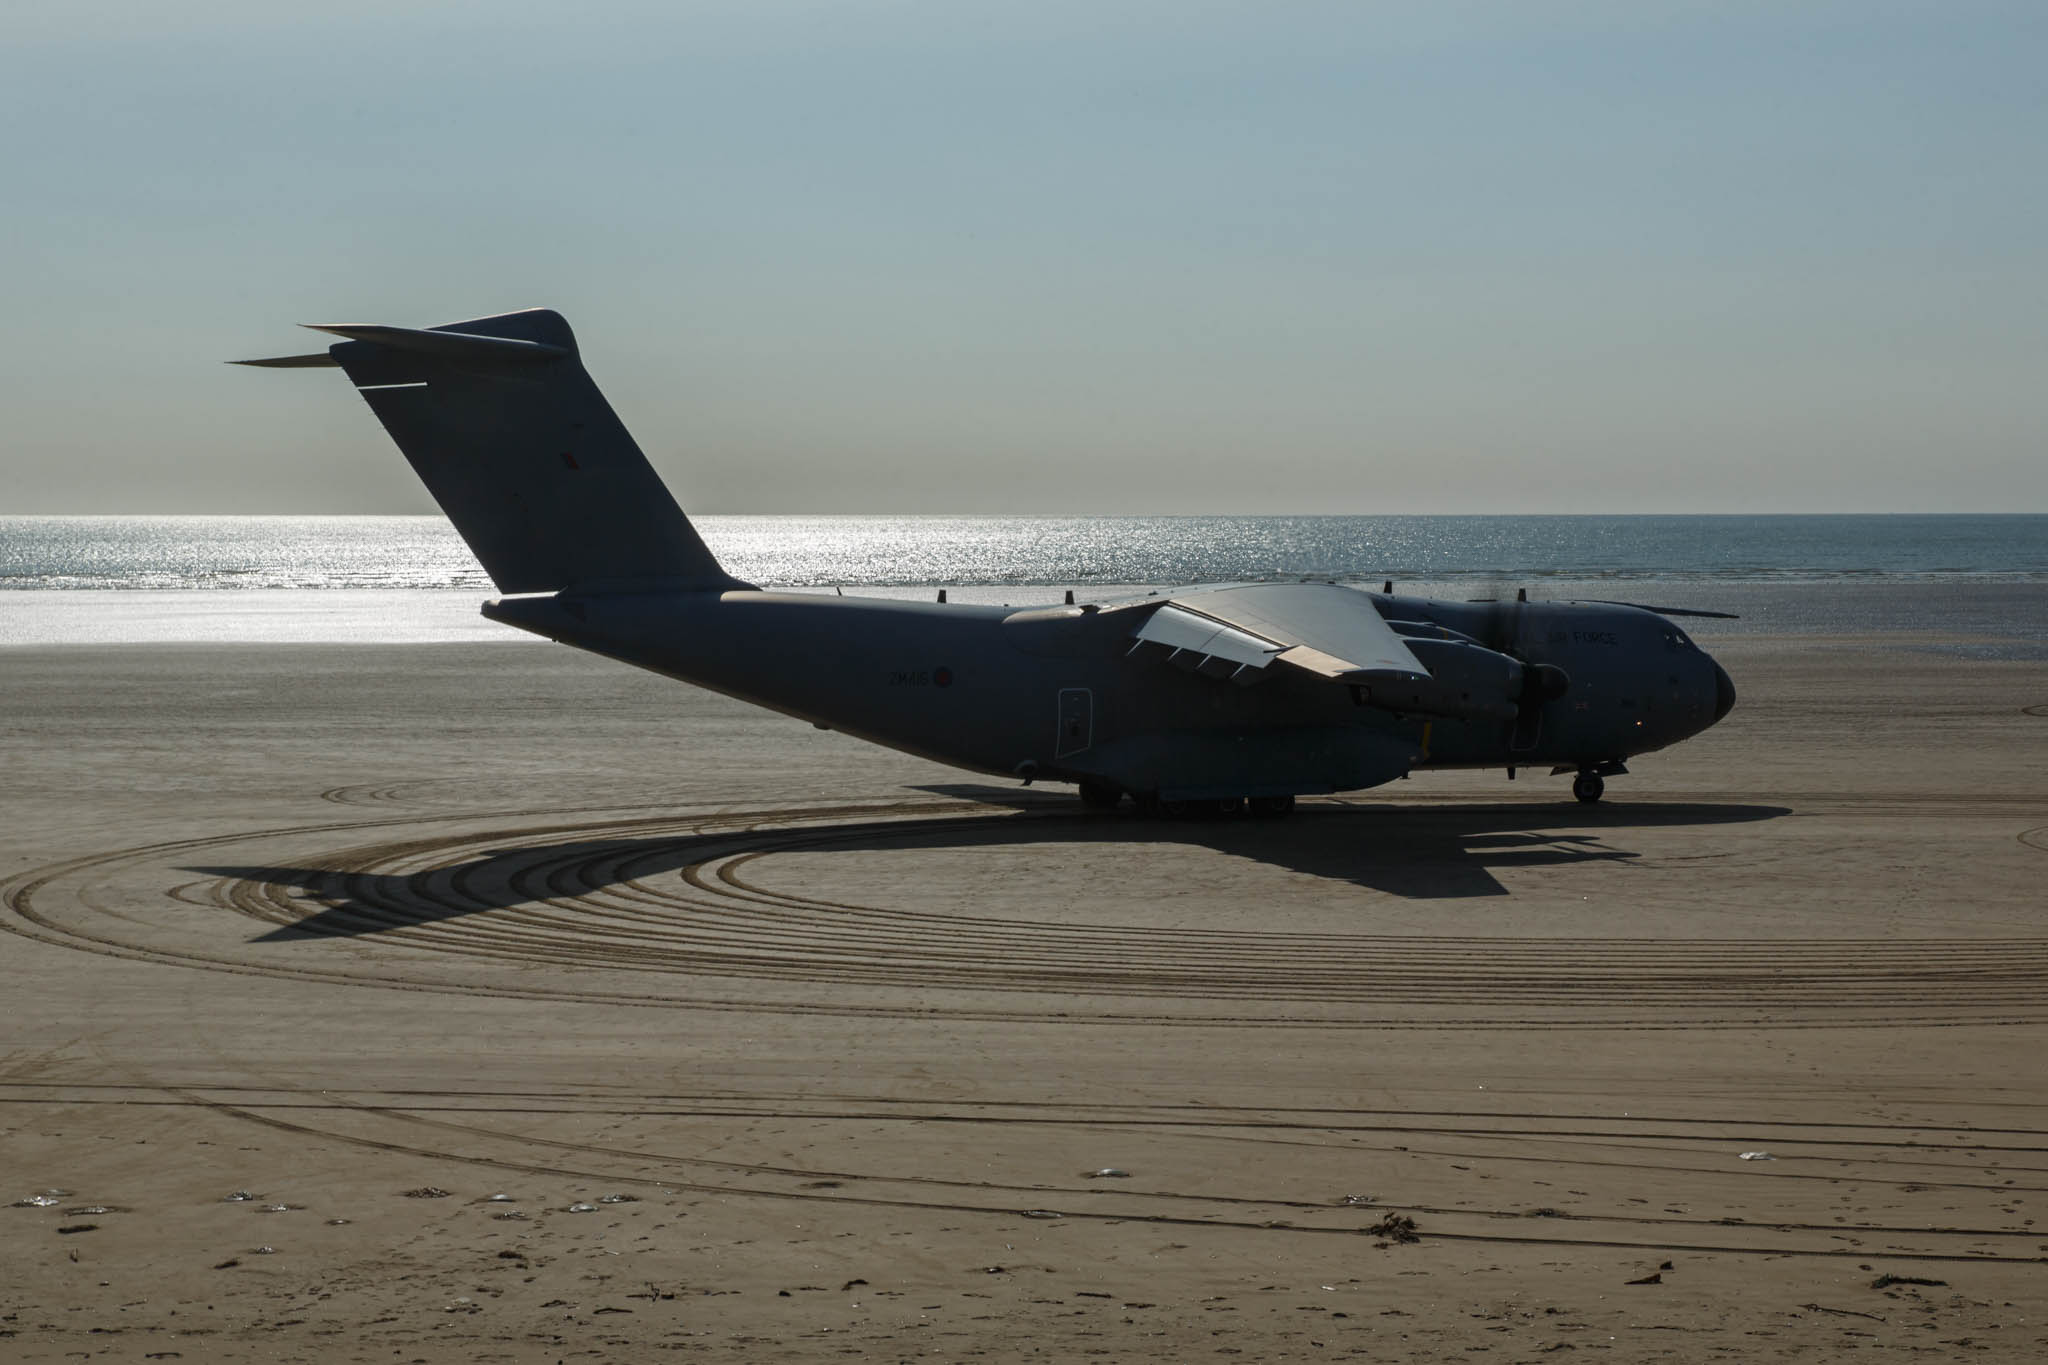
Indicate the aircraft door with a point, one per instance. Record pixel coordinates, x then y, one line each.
1528 729
1077 721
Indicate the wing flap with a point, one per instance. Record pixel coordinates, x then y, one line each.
1313 660
1196 634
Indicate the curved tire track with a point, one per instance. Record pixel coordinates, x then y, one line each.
639 902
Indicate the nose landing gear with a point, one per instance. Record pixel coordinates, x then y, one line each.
1590 785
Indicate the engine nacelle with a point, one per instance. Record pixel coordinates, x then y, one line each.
1465 681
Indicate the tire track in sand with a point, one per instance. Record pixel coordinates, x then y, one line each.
638 901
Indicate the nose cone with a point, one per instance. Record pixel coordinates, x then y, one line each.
1724 693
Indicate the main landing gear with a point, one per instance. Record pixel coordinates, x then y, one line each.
1200 809
1098 796
1588 787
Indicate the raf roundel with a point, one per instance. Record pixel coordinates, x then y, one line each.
942 677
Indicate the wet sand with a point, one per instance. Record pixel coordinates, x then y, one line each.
374 934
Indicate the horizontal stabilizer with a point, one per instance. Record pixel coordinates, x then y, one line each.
320 360
457 345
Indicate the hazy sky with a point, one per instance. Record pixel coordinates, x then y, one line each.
1051 256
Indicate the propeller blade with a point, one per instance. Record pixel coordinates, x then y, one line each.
1544 682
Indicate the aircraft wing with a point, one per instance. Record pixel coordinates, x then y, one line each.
1319 628
1242 633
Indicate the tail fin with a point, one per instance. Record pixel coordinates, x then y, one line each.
509 434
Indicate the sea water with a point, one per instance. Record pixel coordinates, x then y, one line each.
411 578
201 552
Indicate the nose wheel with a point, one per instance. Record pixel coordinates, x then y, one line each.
1588 787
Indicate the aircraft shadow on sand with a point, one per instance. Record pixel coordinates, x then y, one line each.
1429 852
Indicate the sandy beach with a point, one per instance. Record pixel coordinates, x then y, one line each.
778 1046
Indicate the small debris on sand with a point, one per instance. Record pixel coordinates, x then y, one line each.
1887 1281
1395 1227
1839 1312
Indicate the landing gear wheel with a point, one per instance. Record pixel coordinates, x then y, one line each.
1100 795
1588 787
1271 807
1198 809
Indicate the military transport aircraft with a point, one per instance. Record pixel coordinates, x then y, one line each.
1194 701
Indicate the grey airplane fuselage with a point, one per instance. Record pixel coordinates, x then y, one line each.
1198 699
1066 693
